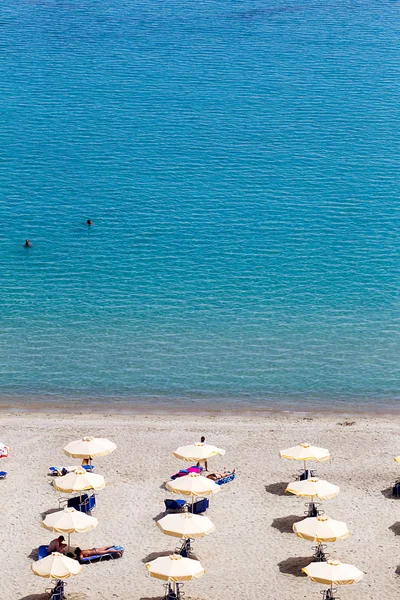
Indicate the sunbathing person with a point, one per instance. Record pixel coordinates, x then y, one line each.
114 550
225 473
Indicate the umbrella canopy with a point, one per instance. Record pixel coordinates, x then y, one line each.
175 568
56 566
197 452
333 572
89 447
305 452
193 485
314 488
185 525
78 481
321 529
397 459
69 520
4 450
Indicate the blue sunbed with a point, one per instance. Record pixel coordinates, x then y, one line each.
58 592
43 551
175 505
3 474
99 557
84 504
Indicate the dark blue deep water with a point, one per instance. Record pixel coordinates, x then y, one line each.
240 162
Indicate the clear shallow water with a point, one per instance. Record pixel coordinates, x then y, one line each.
240 161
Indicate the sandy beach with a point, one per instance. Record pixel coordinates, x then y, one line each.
253 552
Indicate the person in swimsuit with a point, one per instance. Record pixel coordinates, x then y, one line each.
89 222
97 551
27 244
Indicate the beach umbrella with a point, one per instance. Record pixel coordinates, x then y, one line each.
313 488
56 566
89 447
333 573
193 485
79 481
175 568
305 452
198 452
4 450
321 529
69 521
397 459
186 525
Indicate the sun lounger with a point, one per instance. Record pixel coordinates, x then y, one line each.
43 551
58 592
185 549
99 557
58 471
200 506
307 474
221 478
3 474
84 504
175 505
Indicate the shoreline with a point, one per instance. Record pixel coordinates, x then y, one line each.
179 407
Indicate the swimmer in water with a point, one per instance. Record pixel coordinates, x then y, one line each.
89 223
27 244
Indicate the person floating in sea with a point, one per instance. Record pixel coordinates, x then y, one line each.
27 244
89 223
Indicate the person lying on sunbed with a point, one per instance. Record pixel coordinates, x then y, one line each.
215 476
114 550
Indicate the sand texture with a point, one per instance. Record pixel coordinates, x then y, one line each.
253 553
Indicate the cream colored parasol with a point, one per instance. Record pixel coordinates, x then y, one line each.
193 485
186 525
198 452
69 521
305 452
333 573
313 488
89 447
79 481
56 566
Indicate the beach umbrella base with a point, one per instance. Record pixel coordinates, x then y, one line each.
329 594
173 591
319 553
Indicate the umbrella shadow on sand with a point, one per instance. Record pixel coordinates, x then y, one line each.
277 489
49 512
395 528
159 516
388 493
285 524
35 597
33 554
294 565
154 555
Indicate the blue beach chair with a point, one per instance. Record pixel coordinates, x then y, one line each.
200 506
175 505
43 551
58 592
3 474
84 504
63 471
99 557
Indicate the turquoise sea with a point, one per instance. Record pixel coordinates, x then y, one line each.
240 162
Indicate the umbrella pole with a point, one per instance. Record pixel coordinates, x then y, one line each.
69 541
